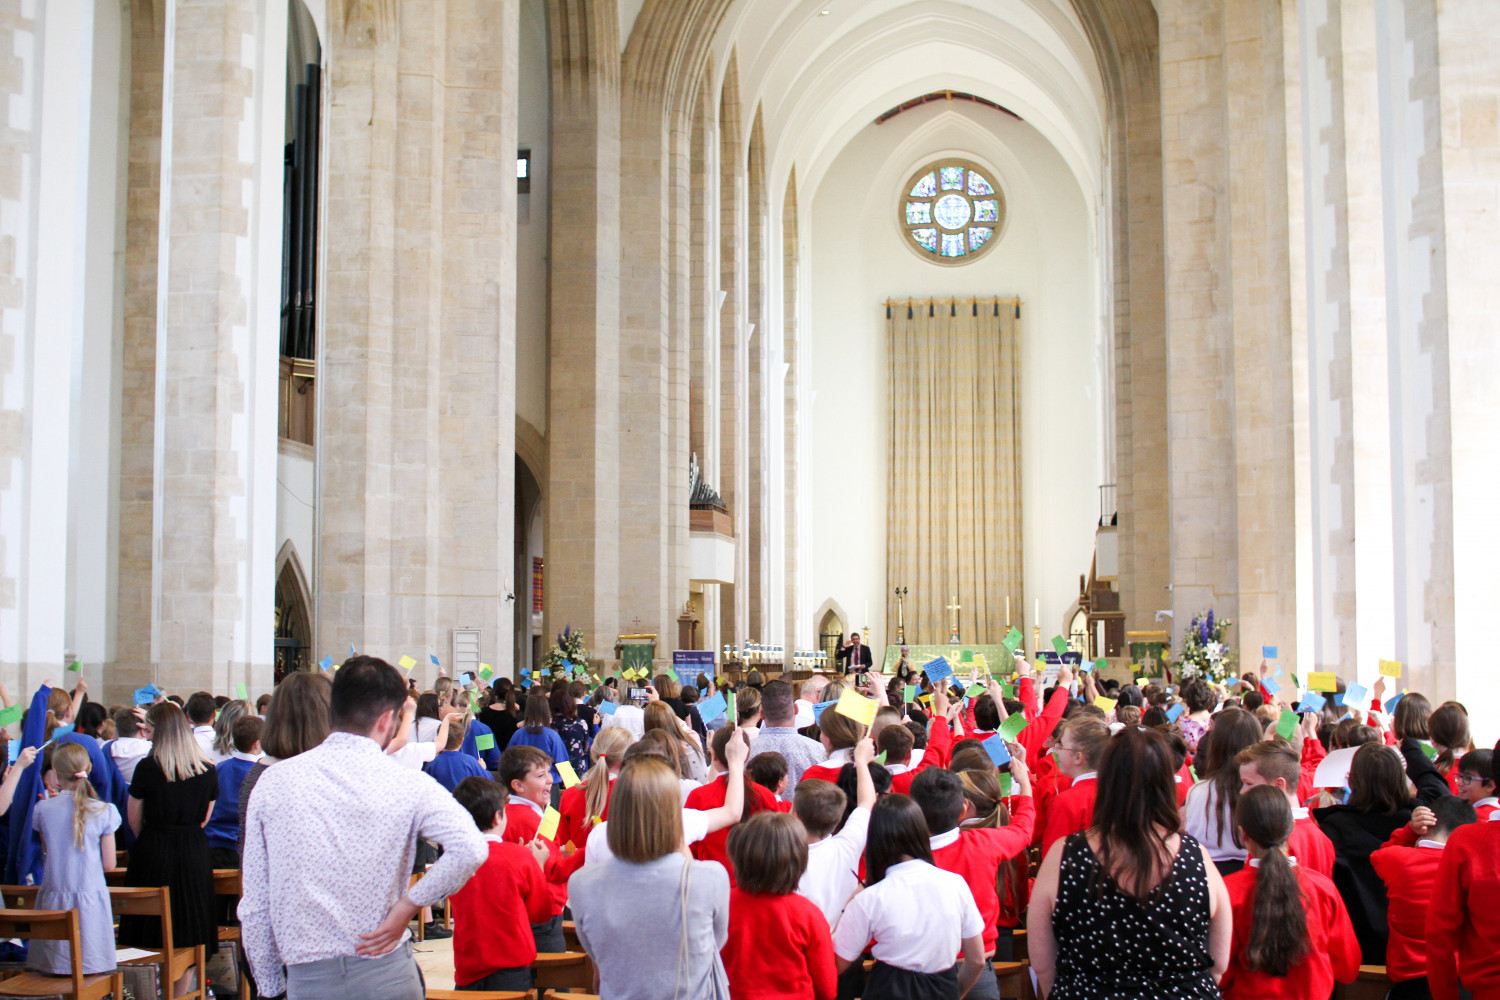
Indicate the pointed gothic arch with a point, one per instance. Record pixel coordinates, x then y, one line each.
293 614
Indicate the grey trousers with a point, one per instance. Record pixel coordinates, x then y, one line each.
390 977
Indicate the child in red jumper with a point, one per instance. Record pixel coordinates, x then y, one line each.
715 846
526 774
1079 745
976 853
1275 763
1474 777
493 946
1463 930
1292 935
779 943
1408 864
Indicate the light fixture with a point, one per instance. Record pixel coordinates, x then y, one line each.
824 13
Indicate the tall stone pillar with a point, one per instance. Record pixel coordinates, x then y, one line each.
734 377
1470 130
205 529
583 489
417 361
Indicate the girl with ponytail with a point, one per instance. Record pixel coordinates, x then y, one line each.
1292 935
78 834
582 804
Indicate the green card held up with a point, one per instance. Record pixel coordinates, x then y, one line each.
975 690
1012 640
1060 644
484 741
1005 784
11 714
967 656
1012 726
76 666
909 693
240 692
880 757
1287 724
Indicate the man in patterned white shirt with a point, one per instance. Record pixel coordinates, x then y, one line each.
329 842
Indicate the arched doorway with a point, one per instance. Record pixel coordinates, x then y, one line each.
293 617
831 634
530 569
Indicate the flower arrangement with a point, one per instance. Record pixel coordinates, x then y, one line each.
569 648
1204 653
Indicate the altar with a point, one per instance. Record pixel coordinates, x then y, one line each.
994 655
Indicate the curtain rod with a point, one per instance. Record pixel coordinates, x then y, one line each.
984 300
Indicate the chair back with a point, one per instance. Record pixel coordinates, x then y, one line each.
46 925
155 901
19 897
563 970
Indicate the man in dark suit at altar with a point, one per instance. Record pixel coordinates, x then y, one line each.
854 655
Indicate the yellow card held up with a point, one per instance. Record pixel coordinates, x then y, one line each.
1322 682
1107 704
548 827
407 663
857 707
1390 668
569 776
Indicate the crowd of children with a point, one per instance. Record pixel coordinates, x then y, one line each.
1286 837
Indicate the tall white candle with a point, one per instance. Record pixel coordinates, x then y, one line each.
1037 614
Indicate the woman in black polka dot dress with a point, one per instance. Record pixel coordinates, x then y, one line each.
1131 908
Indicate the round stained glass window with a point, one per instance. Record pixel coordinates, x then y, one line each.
951 211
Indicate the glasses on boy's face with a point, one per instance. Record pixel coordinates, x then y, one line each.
1467 779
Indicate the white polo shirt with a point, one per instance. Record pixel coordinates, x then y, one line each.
832 874
918 916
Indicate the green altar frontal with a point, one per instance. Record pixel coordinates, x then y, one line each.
994 655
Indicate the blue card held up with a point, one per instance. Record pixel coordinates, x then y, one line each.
711 708
1174 712
998 751
937 669
607 707
1269 683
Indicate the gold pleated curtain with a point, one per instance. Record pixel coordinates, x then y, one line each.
954 467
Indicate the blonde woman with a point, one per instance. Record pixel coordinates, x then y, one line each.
649 881
171 798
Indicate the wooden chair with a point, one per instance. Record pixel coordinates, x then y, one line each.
570 936
55 925
173 962
1019 951
1015 980
19 897
1372 984
227 883
563 970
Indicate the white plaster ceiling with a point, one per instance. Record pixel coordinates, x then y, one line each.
821 78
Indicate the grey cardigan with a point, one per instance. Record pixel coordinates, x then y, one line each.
629 920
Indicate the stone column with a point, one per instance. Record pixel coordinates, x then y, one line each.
734 472
1470 129
583 490
793 629
417 383
205 528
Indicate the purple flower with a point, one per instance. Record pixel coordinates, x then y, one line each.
1203 632
1210 619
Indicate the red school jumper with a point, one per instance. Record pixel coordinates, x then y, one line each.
521 823
1463 928
977 856
1333 950
715 847
778 947
1310 845
1071 812
493 913
576 823
1409 873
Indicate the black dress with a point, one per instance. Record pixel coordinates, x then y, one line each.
1112 946
172 850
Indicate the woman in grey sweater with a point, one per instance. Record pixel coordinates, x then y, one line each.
651 917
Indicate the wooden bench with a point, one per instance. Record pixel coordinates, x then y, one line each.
563 970
1372 984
